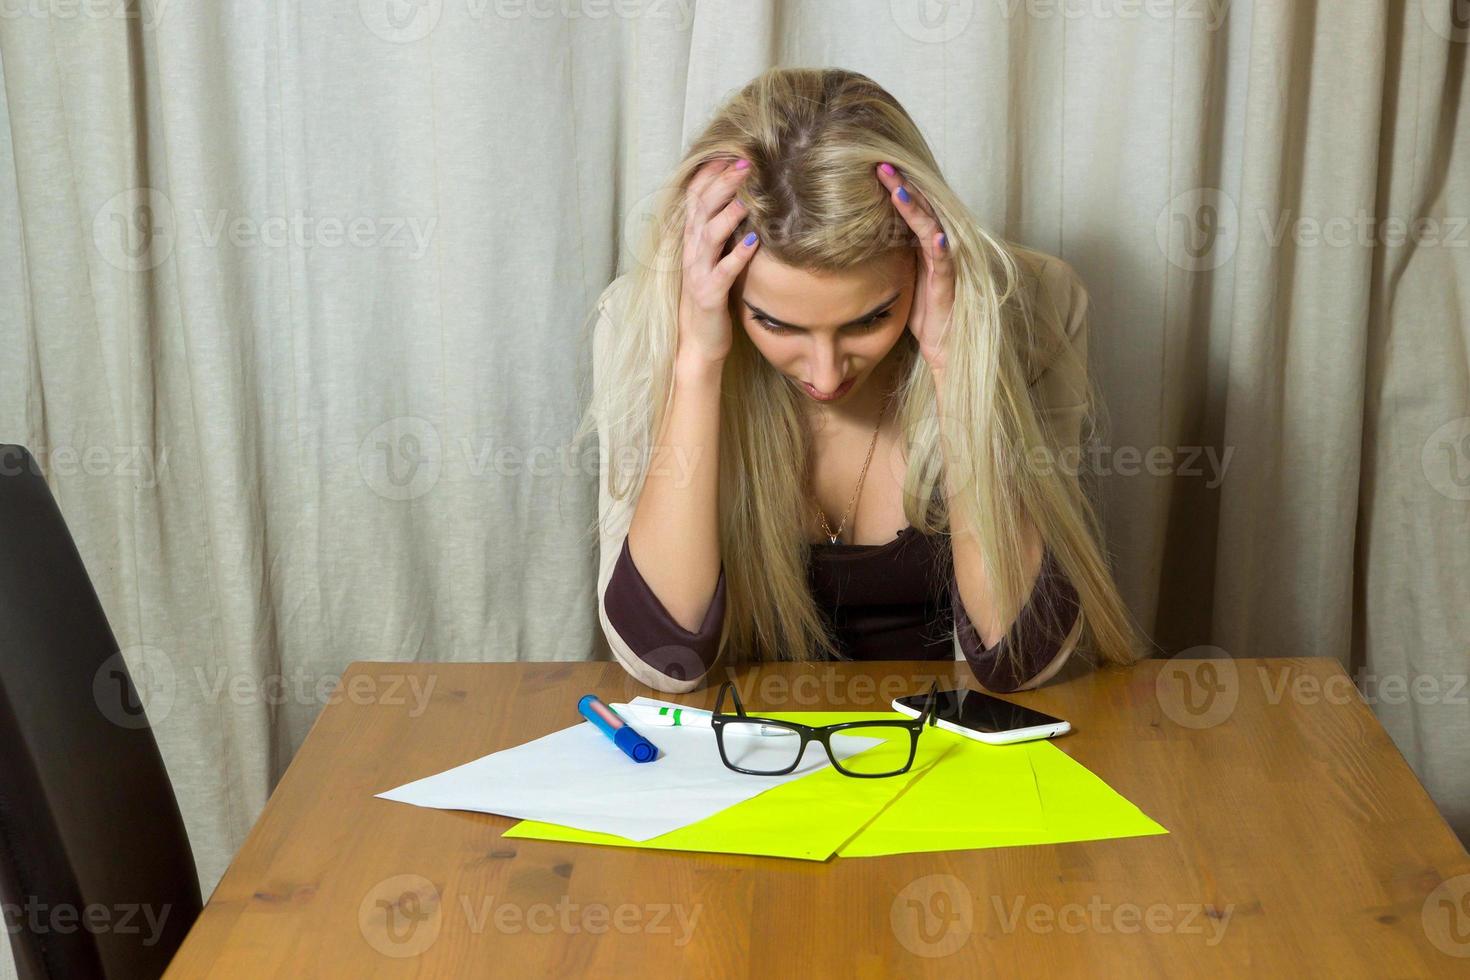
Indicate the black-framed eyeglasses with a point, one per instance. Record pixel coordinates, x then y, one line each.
762 746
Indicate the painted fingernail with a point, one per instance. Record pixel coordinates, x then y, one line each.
887 168
943 240
741 164
903 195
749 239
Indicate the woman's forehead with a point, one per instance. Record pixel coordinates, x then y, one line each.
802 295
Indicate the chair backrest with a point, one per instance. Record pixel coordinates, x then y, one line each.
95 868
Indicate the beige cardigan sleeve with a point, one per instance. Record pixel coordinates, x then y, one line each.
653 648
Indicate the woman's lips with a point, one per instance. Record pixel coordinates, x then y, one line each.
841 390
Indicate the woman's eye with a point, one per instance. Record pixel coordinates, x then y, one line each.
867 324
773 327
871 322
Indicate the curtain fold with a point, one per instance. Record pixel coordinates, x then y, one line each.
295 298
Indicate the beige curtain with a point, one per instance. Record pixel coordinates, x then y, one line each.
293 302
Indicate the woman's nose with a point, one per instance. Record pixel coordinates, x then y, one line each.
826 369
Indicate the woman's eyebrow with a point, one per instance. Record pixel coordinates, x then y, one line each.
866 316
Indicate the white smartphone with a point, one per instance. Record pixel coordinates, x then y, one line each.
984 718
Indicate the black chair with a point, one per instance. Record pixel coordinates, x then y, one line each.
95 868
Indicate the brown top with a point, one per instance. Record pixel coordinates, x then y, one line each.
894 601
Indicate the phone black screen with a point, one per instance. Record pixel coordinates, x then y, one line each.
981 712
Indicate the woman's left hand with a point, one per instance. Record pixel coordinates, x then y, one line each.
934 281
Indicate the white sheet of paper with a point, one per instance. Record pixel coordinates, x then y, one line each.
578 778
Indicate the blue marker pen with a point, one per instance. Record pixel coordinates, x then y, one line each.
637 748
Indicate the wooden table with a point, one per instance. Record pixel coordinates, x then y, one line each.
1300 843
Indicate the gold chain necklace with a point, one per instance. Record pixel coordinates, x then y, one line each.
832 535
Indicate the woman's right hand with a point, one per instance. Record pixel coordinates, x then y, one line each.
711 215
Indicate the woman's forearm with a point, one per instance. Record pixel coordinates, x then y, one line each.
674 537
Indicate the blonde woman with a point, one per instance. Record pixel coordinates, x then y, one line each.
834 413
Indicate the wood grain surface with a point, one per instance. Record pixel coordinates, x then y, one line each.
1300 843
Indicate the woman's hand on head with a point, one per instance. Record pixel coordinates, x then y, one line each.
934 275
711 214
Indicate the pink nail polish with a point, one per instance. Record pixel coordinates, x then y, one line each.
741 164
887 168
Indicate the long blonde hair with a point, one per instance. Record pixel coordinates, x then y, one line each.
813 138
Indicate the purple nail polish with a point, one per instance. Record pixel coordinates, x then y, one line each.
943 240
903 195
749 239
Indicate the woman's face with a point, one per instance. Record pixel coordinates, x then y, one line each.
826 332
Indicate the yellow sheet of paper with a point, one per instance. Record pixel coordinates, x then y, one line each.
808 818
943 811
